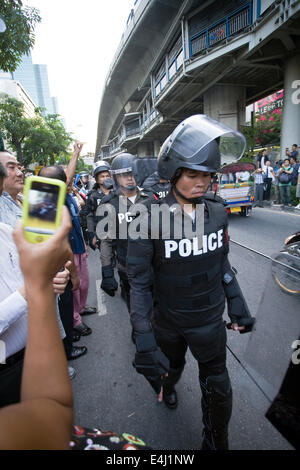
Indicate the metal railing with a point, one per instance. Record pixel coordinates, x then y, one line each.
132 131
224 29
176 64
172 70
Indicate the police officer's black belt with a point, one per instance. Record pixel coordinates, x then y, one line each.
192 279
198 302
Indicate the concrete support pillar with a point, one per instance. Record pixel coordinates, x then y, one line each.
156 147
227 104
290 128
143 149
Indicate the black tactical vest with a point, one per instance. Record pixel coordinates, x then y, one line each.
188 279
124 217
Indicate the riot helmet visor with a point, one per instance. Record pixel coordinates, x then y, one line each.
122 172
199 130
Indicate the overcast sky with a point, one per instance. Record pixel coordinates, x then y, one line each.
77 40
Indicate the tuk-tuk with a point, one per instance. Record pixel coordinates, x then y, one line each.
235 186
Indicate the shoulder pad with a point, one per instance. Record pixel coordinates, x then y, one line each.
148 192
108 197
210 196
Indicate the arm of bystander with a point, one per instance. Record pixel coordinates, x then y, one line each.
43 419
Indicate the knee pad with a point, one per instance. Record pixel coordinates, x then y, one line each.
219 385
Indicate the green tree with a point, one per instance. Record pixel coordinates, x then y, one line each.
39 139
48 141
62 138
19 36
38 145
14 126
81 166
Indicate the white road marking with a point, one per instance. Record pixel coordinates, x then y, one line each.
101 299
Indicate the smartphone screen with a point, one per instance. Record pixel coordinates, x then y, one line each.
42 205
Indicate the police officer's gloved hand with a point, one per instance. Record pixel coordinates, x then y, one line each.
109 284
238 310
149 359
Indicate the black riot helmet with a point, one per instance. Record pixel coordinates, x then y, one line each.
100 166
122 171
84 177
199 143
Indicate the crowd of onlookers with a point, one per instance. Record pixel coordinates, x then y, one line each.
73 278
276 182
43 294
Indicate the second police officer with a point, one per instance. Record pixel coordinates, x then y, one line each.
199 279
126 193
95 196
159 185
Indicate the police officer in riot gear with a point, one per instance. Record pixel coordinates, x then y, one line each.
95 196
157 184
84 181
196 273
125 194
83 184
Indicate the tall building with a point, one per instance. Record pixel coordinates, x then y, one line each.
34 79
14 89
42 86
26 76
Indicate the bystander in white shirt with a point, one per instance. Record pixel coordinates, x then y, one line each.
13 306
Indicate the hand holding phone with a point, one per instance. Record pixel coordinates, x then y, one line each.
42 207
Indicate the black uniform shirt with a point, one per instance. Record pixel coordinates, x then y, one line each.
183 279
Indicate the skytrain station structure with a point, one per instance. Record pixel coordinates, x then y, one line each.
177 58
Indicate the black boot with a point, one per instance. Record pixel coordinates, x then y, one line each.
216 407
170 396
169 392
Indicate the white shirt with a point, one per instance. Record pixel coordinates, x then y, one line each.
262 163
132 199
10 211
270 174
13 306
258 178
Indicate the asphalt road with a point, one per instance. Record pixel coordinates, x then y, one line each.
109 394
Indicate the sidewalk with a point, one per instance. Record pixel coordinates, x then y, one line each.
280 207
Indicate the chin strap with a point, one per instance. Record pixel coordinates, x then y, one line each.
192 200
128 188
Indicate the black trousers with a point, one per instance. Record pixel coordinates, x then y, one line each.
125 288
10 384
66 311
207 344
267 188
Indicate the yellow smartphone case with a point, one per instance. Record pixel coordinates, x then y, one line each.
35 230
